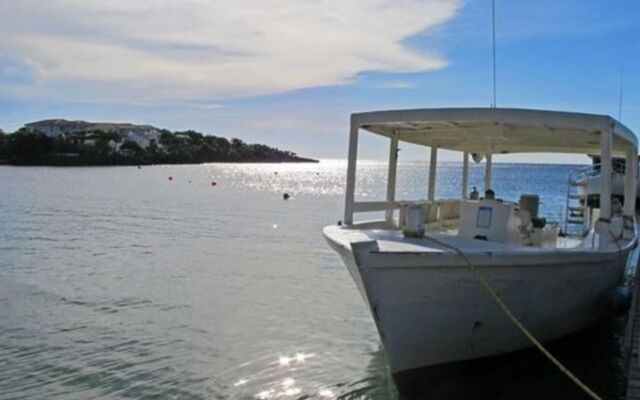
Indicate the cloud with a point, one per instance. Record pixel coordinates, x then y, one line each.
162 50
395 85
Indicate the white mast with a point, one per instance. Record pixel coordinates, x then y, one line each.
620 97
493 24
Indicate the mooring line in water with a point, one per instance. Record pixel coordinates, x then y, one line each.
515 320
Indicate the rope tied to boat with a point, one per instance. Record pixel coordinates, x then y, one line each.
496 297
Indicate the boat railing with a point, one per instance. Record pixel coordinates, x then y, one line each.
584 172
434 210
594 169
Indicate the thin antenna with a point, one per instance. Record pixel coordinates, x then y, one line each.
493 23
620 98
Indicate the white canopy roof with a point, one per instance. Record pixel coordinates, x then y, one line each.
499 130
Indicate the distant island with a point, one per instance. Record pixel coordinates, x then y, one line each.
60 142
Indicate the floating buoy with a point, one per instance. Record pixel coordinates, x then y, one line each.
286 196
139 167
275 173
170 177
214 183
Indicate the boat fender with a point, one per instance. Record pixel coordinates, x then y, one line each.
629 228
616 206
601 227
619 301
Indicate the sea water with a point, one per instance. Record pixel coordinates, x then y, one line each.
202 282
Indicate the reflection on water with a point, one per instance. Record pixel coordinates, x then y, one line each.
301 376
118 283
593 354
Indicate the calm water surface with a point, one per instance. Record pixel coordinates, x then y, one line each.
119 283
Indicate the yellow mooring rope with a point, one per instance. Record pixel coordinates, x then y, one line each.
515 320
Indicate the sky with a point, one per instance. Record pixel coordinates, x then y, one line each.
288 73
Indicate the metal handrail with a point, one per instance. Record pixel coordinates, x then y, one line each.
594 169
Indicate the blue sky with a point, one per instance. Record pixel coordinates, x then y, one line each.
288 73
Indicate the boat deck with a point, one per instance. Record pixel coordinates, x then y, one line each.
393 241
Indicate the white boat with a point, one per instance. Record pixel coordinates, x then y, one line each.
430 306
583 192
591 180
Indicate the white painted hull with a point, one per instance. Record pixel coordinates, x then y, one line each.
431 310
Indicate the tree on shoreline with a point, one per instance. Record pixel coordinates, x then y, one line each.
31 147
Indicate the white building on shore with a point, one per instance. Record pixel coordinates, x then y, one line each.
139 134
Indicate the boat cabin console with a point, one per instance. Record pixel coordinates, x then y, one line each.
501 221
489 219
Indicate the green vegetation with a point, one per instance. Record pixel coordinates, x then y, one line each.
26 147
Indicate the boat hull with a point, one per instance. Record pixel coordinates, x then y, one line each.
430 309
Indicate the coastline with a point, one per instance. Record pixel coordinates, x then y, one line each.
63 143
134 164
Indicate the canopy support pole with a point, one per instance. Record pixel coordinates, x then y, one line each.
433 161
487 172
391 178
351 174
631 179
465 174
605 174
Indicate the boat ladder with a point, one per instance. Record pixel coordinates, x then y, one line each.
576 210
